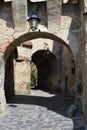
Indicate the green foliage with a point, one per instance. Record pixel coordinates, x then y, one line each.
28 87
33 74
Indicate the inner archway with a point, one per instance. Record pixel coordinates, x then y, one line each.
46 63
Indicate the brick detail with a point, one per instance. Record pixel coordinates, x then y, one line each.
4 46
19 8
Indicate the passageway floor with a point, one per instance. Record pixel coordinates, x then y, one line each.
42 110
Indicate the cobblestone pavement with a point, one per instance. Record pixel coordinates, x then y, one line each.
40 111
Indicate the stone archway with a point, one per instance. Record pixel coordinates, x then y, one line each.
34 35
46 63
8 47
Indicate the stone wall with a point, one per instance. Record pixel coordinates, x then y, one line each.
68 72
64 24
84 66
19 10
6 21
83 54
3 105
22 76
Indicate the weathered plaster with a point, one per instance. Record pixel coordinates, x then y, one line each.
3 105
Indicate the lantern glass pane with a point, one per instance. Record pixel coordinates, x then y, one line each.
33 24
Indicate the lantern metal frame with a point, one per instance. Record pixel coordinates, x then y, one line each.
34 20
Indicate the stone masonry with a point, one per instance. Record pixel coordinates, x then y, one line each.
62 21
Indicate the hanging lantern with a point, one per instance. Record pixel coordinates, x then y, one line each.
34 21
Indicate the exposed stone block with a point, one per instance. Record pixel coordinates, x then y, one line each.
54 14
23 53
19 8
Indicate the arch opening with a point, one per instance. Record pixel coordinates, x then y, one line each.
46 65
34 35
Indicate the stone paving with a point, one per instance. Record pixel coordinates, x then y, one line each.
40 111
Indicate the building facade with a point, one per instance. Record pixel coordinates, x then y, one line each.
57 47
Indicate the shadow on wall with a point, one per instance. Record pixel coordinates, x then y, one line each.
71 22
72 11
46 63
65 68
9 75
57 51
9 78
